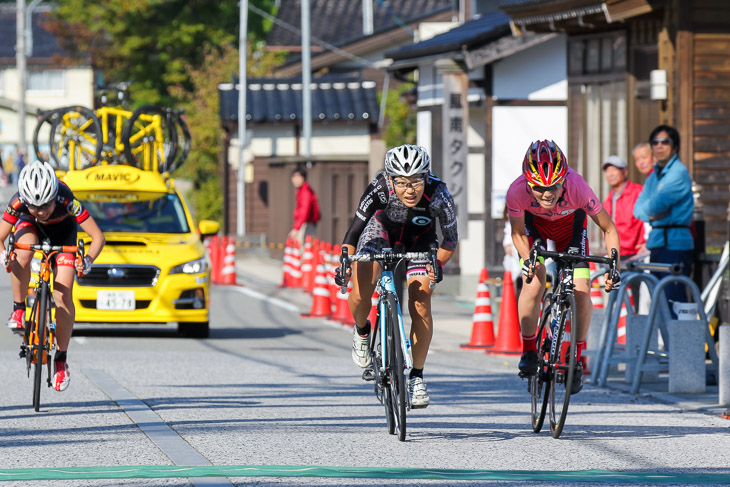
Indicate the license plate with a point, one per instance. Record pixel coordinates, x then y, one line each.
115 300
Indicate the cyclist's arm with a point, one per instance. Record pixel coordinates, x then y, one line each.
374 198
519 236
610 233
5 229
97 237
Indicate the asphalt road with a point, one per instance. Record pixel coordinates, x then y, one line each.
270 389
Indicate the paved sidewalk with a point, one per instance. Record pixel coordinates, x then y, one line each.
452 327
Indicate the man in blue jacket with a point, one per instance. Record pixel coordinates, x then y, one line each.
666 202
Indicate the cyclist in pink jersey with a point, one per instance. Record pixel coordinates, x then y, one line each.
551 201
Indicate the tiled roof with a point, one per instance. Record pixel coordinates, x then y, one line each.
473 33
45 44
339 22
280 100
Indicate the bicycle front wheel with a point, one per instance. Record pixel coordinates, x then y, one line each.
40 354
540 382
563 366
396 364
75 138
150 139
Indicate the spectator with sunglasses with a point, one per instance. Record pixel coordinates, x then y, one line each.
667 203
552 201
44 208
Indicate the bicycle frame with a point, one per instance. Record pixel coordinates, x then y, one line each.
386 284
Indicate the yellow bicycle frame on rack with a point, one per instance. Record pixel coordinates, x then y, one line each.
151 150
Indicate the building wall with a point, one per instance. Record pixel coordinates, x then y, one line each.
78 89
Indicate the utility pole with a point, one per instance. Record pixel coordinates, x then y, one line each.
242 84
306 82
20 61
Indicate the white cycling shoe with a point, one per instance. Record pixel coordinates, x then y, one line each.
419 394
360 349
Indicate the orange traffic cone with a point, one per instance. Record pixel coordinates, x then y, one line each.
509 337
285 274
342 308
295 270
308 265
482 331
228 271
214 259
596 296
321 305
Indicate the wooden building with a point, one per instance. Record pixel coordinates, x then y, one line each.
613 47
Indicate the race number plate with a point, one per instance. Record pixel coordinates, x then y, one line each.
115 300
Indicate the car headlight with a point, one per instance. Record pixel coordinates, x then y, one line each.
193 267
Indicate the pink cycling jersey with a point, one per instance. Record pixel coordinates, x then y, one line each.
577 195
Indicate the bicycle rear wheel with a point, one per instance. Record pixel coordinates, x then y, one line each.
76 139
39 345
148 145
396 364
563 367
540 382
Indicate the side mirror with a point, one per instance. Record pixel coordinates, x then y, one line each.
208 228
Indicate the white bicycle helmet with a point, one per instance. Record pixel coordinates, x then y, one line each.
407 160
37 183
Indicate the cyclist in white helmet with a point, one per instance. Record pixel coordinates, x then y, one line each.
44 207
399 209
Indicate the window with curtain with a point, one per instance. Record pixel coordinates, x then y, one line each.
46 80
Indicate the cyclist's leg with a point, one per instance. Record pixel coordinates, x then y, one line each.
25 232
419 307
63 296
364 277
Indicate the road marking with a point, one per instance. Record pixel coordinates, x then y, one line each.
172 471
275 301
166 439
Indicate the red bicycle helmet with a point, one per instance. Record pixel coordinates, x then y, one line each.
544 164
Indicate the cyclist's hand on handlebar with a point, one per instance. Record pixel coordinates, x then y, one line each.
528 268
83 267
7 258
341 280
612 282
436 275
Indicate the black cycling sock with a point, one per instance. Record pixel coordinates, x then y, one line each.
60 356
365 330
416 373
17 305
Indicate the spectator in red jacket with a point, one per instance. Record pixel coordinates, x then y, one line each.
620 206
306 209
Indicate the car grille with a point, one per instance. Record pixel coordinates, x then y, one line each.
120 276
139 304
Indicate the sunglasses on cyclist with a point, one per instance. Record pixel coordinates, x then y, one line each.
403 184
661 141
41 207
542 189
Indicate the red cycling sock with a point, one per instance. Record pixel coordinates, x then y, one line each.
580 346
528 343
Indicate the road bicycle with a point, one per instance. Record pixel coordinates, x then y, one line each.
556 342
39 339
389 347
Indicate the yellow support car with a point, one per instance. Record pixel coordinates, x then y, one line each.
154 268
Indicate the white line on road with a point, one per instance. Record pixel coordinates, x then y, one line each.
275 301
166 439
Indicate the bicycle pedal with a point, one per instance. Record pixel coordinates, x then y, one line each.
22 353
368 375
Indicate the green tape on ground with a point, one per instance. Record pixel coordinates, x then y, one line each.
174 471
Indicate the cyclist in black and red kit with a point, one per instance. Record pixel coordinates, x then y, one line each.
399 210
44 208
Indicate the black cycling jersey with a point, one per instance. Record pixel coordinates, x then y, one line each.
67 206
381 210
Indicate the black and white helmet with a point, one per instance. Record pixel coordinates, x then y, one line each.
37 183
407 160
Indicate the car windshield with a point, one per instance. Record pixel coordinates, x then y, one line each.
136 212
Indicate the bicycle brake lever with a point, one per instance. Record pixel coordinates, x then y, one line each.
344 264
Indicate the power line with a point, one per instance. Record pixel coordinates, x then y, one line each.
319 42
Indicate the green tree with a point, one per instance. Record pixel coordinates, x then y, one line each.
203 116
153 42
400 117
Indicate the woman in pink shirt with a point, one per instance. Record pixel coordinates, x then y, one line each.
551 201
